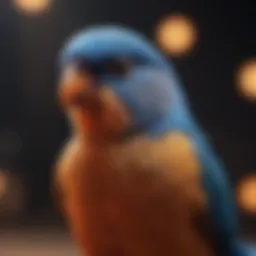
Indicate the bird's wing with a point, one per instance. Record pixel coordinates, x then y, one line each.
219 193
209 190
221 204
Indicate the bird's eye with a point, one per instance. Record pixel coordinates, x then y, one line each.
93 69
117 67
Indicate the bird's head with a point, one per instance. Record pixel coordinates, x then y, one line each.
113 81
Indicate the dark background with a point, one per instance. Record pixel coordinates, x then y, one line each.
32 129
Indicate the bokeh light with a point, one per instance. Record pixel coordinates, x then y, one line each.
246 79
176 35
32 7
246 194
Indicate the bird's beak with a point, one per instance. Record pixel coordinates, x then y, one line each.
76 88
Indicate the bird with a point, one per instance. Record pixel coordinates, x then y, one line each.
137 176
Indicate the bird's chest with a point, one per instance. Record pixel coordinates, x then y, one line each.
141 170
140 181
123 173
137 195
135 191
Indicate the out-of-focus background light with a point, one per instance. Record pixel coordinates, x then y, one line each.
246 194
176 34
32 7
246 79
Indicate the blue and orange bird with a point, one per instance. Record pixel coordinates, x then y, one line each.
137 177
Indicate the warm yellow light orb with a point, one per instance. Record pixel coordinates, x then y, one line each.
246 79
32 6
176 35
246 194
